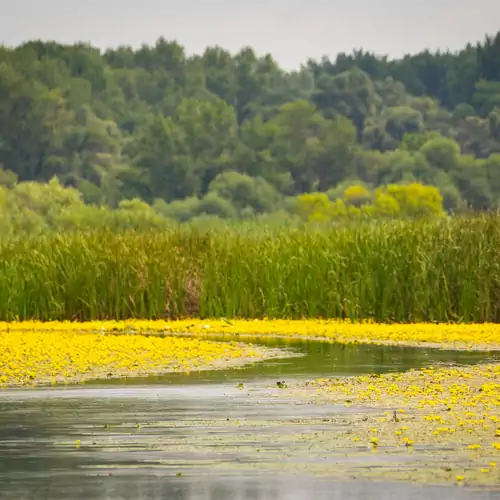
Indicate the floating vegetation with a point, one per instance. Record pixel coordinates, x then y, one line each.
33 357
399 427
483 336
453 413
435 425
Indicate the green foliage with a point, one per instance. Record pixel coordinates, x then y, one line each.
403 120
180 210
442 153
234 135
213 204
244 191
7 178
397 271
32 208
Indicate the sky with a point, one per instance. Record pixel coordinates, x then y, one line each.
291 30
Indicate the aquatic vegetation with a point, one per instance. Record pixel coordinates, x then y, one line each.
447 419
399 271
362 443
441 410
29 358
455 336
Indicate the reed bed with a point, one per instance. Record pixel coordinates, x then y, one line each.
405 271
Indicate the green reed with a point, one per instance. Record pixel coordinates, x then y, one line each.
447 270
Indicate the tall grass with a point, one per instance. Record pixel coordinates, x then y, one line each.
399 271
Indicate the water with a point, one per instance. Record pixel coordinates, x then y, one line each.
318 359
199 435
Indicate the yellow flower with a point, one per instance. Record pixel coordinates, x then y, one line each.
59 352
469 335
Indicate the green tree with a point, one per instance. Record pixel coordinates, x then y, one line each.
403 120
350 94
244 191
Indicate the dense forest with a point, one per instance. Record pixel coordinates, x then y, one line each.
154 134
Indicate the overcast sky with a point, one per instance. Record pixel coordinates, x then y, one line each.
291 30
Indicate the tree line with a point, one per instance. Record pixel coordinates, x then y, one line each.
236 136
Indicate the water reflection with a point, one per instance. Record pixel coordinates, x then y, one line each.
227 488
321 358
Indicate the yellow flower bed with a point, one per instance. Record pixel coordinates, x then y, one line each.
62 354
466 336
34 352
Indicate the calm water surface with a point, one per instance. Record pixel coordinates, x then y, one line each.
176 452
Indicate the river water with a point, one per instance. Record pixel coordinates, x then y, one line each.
197 437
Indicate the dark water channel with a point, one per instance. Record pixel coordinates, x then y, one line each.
194 437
